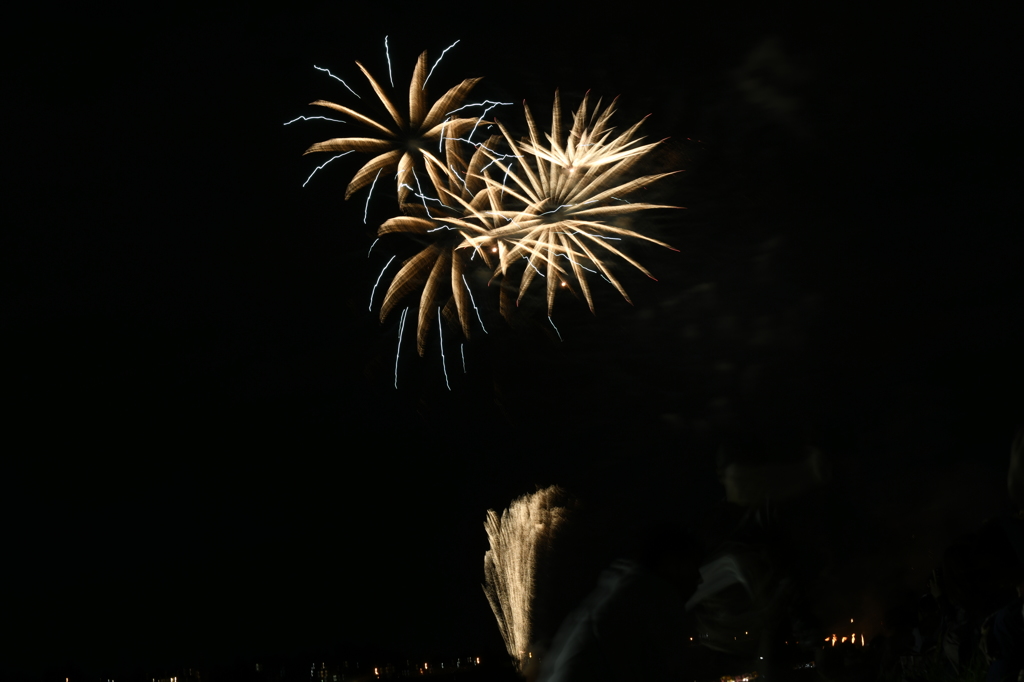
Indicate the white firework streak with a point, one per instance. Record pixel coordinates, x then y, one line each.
523 531
367 208
529 261
440 336
370 307
556 328
506 178
420 194
387 54
438 62
462 350
577 263
501 157
401 328
461 179
371 246
423 198
328 72
484 113
322 165
480 118
312 118
480 104
470 292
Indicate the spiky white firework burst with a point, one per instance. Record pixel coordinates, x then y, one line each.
516 537
566 192
401 144
555 200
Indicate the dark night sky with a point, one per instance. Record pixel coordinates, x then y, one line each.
207 460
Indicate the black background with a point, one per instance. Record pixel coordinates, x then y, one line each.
207 461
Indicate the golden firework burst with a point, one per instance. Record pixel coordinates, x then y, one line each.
556 199
566 193
405 140
440 268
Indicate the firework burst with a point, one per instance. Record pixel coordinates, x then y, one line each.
565 198
517 537
556 199
402 143
443 263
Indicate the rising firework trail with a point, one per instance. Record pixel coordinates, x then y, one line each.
517 538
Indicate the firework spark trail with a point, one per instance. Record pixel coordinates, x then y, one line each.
517 537
312 118
576 263
462 350
438 62
366 209
460 178
481 104
387 54
440 336
423 197
529 261
416 192
501 157
556 328
470 292
401 328
509 170
371 246
378 282
322 165
484 113
328 72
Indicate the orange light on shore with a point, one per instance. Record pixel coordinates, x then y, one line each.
842 640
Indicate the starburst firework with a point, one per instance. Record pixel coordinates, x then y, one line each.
566 196
406 138
443 263
554 199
